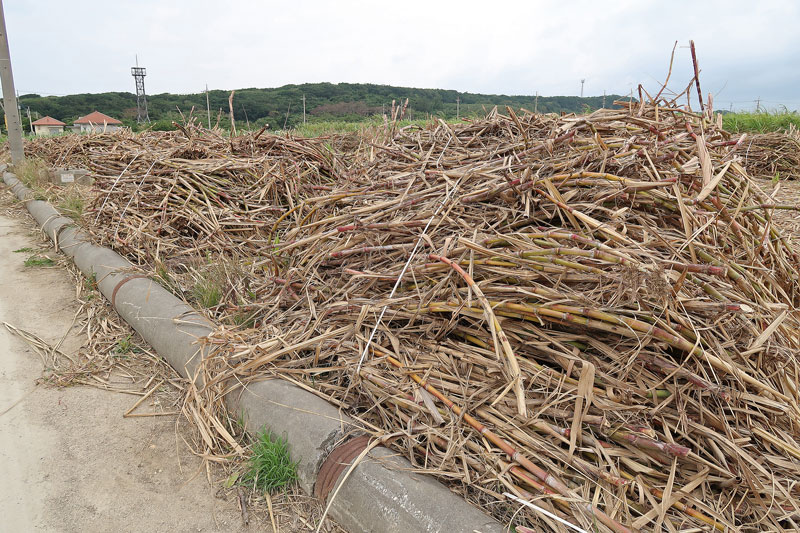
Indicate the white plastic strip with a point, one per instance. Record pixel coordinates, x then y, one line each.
402 273
544 512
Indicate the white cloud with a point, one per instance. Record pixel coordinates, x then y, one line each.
746 50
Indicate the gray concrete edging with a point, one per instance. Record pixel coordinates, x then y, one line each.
380 495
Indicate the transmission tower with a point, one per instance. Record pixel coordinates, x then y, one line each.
138 74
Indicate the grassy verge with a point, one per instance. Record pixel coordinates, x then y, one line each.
33 172
762 122
72 202
332 127
70 199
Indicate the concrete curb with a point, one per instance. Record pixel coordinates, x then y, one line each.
381 494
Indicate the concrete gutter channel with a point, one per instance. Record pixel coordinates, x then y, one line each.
381 494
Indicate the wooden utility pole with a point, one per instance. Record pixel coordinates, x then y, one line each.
30 122
304 109
208 108
245 116
458 105
287 115
536 103
604 98
233 122
9 95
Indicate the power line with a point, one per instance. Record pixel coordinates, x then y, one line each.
9 97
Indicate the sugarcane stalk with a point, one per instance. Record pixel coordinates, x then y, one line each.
513 365
548 479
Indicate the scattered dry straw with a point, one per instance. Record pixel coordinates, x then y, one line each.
602 318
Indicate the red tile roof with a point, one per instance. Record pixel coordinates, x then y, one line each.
47 121
96 117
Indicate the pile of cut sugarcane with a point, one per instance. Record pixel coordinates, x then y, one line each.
193 191
774 155
595 313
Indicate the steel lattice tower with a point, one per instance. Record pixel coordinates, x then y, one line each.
138 74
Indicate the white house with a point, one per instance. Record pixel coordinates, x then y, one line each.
96 122
48 126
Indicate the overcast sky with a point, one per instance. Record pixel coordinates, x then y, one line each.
746 50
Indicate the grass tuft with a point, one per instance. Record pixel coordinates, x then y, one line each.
25 250
207 292
124 345
38 261
71 204
33 172
270 466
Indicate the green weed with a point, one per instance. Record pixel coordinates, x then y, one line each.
760 122
238 426
270 467
124 345
72 204
231 480
90 286
24 250
39 194
33 172
39 261
207 292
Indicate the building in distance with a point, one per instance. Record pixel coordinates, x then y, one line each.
96 122
47 126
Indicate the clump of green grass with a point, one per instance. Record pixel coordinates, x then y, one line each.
90 286
760 122
25 250
38 261
124 345
71 204
207 292
32 171
270 467
163 277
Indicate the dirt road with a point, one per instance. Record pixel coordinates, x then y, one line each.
68 460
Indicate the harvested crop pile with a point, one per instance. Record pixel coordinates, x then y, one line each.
593 312
190 191
773 155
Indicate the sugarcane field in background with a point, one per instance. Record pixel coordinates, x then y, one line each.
593 313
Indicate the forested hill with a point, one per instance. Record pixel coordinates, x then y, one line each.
324 101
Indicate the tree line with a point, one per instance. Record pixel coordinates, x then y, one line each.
282 107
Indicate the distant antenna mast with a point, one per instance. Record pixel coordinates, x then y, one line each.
138 74
582 82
